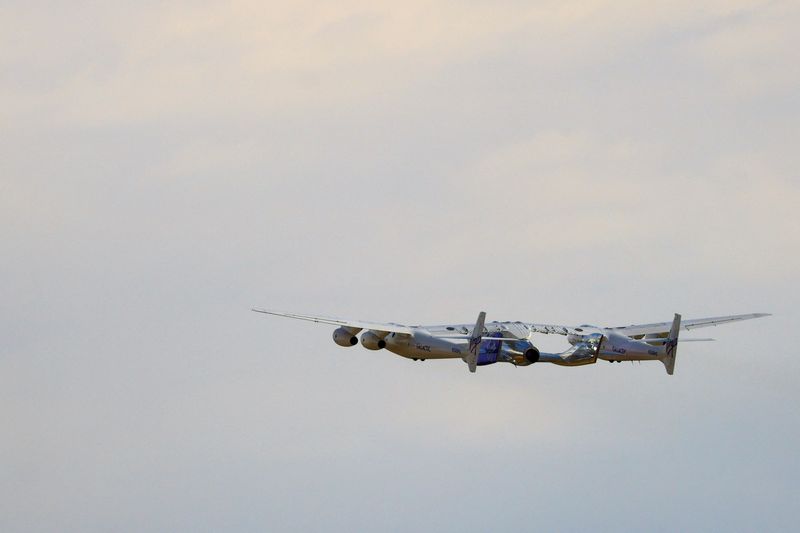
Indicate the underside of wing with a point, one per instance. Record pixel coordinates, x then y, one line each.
663 327
358 324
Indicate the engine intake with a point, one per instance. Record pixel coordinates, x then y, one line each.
344 337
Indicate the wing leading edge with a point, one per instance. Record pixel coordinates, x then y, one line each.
664 327
359 324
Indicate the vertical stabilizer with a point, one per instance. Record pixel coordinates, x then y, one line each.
475 343
671 346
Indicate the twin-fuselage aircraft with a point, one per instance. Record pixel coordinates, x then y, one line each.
485 343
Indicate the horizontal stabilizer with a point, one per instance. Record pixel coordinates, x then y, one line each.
663 341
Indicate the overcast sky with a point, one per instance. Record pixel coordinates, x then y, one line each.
165 166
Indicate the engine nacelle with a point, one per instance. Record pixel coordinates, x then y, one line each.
344 337
371 341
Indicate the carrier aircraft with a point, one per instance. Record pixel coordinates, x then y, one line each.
486 343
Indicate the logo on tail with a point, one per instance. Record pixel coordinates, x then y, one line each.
474 342
670 346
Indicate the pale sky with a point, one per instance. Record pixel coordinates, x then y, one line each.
165 166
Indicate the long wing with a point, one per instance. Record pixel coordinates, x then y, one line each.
663 327
360 324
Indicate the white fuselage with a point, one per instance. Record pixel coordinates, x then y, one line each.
423 345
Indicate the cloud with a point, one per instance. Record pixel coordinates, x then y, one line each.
748 57
244 58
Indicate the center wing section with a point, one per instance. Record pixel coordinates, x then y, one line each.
519 330
359 324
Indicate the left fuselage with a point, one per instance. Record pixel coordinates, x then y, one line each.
423 345
496 347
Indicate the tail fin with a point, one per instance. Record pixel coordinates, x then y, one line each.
474 343
671 346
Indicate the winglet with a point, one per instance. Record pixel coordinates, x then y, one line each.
474 343
671 346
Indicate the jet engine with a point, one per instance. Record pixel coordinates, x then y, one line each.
345 337
520 352
372 341
532 354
